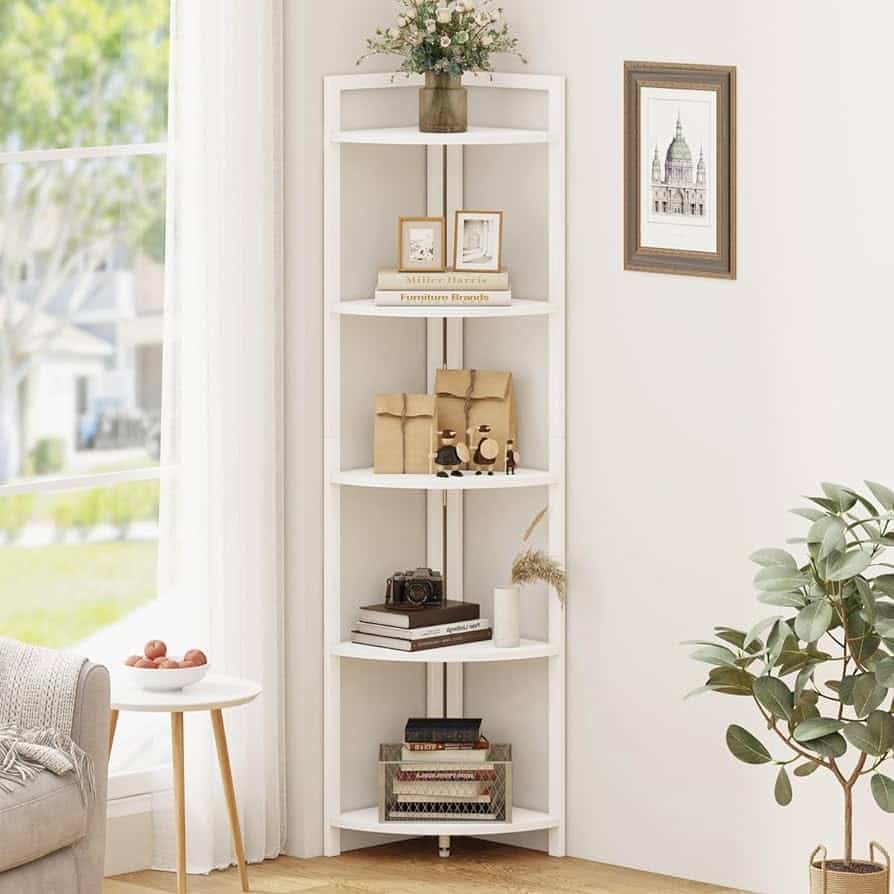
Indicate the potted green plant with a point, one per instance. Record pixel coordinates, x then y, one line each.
821 672
443 40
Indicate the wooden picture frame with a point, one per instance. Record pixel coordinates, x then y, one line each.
461 266
679 214
406 263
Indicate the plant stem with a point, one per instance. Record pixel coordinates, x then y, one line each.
771 724
848 824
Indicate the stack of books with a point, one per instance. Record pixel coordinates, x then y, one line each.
447 289
444 772
413 630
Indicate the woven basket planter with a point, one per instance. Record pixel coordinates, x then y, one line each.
827 881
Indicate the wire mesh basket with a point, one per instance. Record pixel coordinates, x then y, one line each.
445 790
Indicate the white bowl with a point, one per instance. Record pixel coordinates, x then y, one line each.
164 679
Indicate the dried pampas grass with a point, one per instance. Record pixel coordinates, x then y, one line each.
532 565
534 522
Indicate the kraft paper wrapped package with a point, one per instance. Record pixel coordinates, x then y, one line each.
467 398
405 435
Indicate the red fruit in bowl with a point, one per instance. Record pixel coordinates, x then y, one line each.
187 664
168 664
155 648
133 659
147 663
196 657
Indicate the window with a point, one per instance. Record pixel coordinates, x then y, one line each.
83 120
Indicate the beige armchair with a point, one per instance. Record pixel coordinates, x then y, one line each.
50 841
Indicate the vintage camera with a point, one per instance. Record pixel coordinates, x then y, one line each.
415 589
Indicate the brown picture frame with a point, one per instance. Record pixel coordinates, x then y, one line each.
456 242
404 267
721 262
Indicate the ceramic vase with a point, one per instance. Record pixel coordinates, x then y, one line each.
506 617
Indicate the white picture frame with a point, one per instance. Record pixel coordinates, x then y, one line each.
478 242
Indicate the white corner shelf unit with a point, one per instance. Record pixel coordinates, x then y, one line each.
444 328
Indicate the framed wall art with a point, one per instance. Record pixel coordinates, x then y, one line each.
680 168
422 244
478 242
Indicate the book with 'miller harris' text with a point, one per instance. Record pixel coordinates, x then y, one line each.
448 280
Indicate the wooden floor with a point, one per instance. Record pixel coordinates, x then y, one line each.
414 867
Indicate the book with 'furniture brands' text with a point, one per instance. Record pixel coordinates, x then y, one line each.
443 298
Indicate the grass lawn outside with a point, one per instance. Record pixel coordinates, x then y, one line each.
59 594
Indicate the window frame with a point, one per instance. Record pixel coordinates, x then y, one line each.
55 483
124 783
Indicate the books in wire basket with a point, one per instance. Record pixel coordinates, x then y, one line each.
449 788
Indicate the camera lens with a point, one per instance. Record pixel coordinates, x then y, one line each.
418 592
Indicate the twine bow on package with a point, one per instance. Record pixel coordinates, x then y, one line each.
404 434
469 398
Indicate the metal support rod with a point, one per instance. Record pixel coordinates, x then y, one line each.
446 592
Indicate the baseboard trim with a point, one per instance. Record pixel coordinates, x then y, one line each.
129 835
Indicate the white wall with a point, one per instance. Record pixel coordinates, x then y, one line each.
699 410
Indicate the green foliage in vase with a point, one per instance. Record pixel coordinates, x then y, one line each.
445 38
820 671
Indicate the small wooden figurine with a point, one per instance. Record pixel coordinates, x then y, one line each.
450 455
487 449
512 457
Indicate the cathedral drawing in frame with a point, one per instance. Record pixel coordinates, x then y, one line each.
679 169
676 186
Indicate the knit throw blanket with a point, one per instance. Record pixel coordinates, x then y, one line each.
38 691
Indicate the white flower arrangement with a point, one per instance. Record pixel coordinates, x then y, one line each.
449 39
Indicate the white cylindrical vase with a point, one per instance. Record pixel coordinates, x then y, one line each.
506 617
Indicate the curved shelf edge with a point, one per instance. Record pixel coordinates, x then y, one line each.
367 820
469 481
412 136
520 307
462 654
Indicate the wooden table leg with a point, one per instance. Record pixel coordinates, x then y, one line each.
113 725
226 775
179 797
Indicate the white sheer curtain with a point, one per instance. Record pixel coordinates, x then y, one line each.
221 514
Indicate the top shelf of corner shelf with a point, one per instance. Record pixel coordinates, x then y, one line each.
412 136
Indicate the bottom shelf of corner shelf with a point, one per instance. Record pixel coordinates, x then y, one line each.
367 820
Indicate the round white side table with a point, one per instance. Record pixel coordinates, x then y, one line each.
212 694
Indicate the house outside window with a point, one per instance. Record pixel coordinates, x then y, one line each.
83 121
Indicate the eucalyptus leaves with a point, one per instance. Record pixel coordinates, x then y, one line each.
821 674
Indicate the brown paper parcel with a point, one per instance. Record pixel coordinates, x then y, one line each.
468 398
405 434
